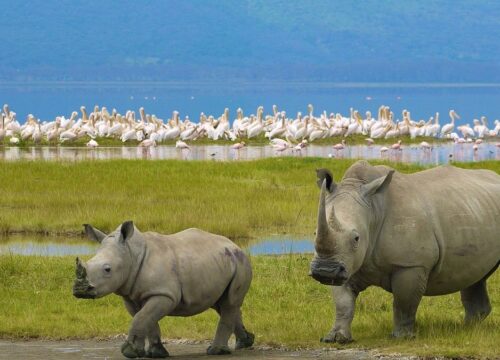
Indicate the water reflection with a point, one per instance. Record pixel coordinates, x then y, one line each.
78 247
440 154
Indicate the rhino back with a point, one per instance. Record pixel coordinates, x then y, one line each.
446 220
193 267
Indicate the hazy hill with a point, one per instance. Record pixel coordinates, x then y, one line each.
373 40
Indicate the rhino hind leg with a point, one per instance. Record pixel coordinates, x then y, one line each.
225 329
244 338
229 309
476 302
408 287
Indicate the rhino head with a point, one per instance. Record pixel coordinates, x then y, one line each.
345 217
110 268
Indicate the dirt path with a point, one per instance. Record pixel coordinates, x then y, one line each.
110 349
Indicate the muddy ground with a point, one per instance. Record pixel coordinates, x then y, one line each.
178 349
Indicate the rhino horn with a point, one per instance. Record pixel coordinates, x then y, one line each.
324 242
81 272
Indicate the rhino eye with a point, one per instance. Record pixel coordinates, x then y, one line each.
107 269
356 238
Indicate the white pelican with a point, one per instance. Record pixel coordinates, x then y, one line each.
425 145
37 134
92 144
256 128
2 130
448 128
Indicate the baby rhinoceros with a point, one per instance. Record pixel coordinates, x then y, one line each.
182 274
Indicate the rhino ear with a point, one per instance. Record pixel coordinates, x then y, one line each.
325 174
126 231
377 185
94 234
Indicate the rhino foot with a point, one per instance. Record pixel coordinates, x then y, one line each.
245 342
403 334
131 352
336 337
157 351
218 350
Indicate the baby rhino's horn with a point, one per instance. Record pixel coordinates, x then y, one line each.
81 273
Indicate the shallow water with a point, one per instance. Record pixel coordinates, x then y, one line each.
440 154
60 246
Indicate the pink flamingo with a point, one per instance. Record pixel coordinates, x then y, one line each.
396 146
238 146
340 146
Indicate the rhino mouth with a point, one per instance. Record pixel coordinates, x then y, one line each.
83 290
329 280
328 272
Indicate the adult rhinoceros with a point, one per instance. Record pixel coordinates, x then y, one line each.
157 275
433 232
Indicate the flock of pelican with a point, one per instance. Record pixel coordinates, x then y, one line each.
283 132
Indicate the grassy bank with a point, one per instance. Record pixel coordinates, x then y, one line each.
37 302
237 199
259 140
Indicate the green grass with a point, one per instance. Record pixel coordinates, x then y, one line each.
236 199
283 307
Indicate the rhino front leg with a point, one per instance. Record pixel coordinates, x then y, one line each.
156 348
345 299
145 324
408 287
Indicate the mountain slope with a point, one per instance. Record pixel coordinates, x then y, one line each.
252 39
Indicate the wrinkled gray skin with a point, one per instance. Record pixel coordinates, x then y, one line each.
182 274
430 233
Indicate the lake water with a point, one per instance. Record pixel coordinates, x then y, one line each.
47 100
60 246
440 154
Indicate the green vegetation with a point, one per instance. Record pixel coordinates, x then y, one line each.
237 199
259 140
37 302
